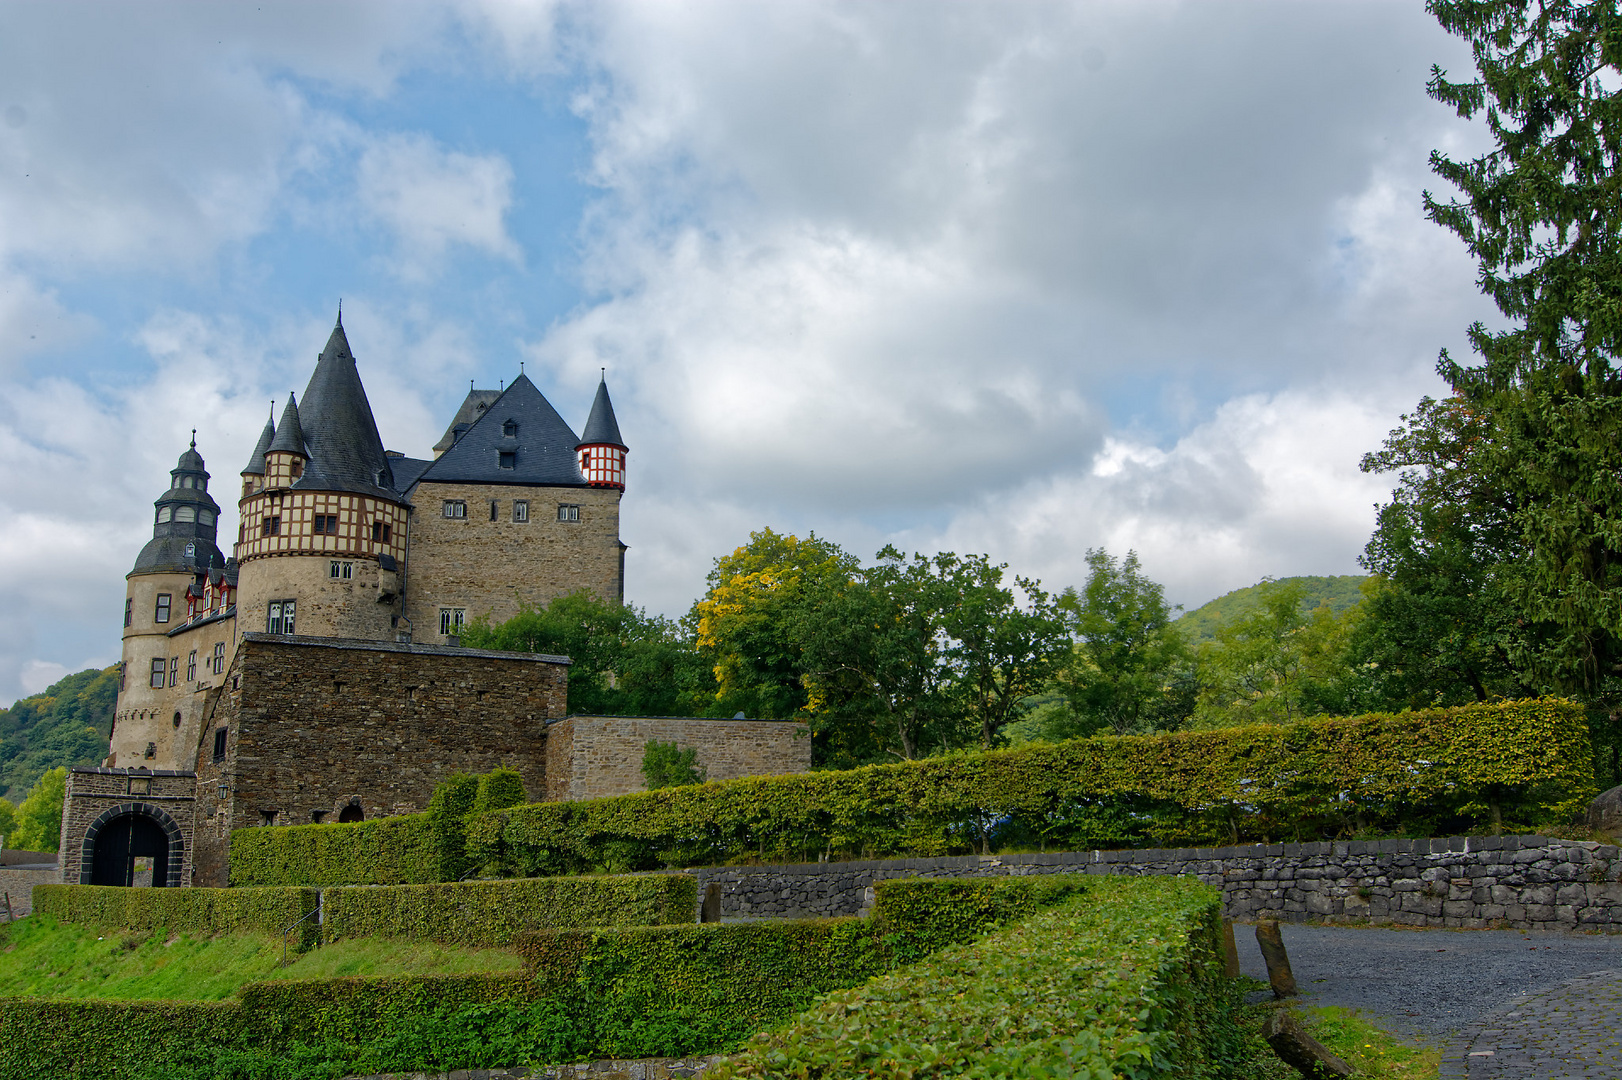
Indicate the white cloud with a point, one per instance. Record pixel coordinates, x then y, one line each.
433 198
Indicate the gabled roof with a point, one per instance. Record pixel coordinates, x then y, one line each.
473 407
289 437
346 453
256 463
543 447
601 427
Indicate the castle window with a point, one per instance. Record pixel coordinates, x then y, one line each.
129 610
495 508
185 513
158 670
191 668
348 571
267 818
279 620
381 531
174 670
205 517
455 508
177 719
318 817
219 658
327 523
165 513
520 510
296 467
332 568
151 751
507 459
351 813
450 620
271 526
567 512
510 428
219 744
161 612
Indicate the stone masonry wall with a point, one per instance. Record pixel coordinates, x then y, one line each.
17 883
92 793
593 757
1521 882
491 567
315 726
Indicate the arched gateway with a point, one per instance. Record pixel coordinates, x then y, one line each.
132 844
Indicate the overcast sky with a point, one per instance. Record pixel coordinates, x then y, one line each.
1019 278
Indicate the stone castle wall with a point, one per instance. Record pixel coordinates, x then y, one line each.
1520 882
593 757
316 726
492 567
95 794
362 605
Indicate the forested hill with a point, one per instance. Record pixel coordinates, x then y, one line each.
69 724
1341 592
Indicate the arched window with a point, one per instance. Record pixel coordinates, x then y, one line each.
351 813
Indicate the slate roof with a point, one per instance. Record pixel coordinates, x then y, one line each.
346 453
601 427
289 438
473 407
256 464
543 447
407 471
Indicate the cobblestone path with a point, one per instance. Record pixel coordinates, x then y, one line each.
1566 1033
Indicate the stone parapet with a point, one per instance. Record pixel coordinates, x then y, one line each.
595 757
1519 882
17 886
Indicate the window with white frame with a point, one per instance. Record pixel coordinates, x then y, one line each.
218 659
161 612
191 666
455 508
450 620
568 512
279 620
520 509
159 671
174 670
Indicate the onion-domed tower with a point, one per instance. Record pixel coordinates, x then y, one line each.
601 451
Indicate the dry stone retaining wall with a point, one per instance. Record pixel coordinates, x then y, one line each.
1523 882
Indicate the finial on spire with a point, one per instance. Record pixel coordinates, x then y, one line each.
501 384
602 374
520 367
340 311
272 410
194 438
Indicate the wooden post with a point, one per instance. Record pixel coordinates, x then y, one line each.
1278 961
1301 1051
1230 951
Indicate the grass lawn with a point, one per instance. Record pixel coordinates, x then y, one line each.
42 958
1358 1040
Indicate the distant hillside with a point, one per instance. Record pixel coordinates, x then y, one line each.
1341 592
69 724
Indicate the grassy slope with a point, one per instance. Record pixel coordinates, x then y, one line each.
1202 623
40 958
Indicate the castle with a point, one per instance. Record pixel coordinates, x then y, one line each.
317 674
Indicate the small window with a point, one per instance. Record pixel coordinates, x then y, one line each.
326 523
174 671
567 512
185 513
191 668
271 526
318 817
161 612
267 818
219 744
455 508
507 459
219 658
520 509
177 719
279 620
129 610
296 467
380 532
159 670
165 513
495 508
450 620
348 571
509 429
205 517
332 568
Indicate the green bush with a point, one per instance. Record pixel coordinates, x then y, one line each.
498 789
1124 982
389 851
1520 764
450 803
664 764
199 912
492 912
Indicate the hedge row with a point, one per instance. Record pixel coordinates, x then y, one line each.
667 991
492 912
1127 982
1512 765
200 912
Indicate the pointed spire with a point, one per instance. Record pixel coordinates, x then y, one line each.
256 463
289 433
339 429
601 427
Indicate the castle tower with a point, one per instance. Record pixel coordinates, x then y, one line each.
168 587
323 529
601 450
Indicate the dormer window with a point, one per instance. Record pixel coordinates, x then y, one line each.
509 429
507 459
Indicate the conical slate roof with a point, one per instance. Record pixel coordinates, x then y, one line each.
601 427
473 407
256 464
345 449
542 445
289 437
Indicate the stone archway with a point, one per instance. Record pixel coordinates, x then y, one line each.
121 837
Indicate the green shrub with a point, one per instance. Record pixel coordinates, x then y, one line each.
389 851
199 912
492 912
1526 764
453 799
498 789
1124 982
664 764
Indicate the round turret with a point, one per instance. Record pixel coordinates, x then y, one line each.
601 451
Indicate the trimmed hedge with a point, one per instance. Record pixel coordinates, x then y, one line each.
200 912
1127 982
388 851
492 912
1520 764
